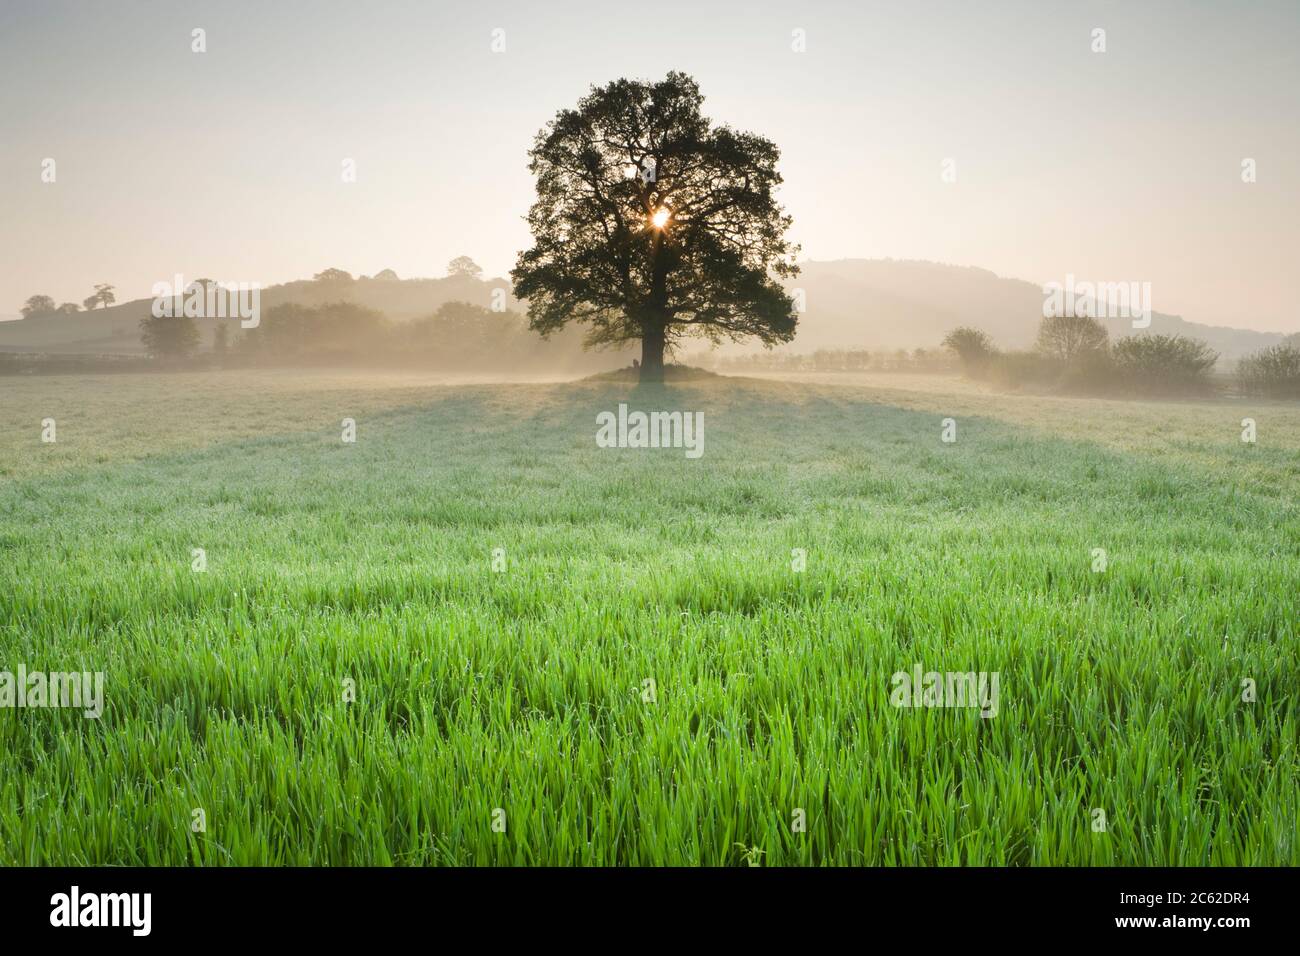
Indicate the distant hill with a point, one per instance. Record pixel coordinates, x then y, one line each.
116 330
851 303
893 304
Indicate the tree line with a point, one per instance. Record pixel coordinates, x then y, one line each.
42 305
1074 353
457 335
105 294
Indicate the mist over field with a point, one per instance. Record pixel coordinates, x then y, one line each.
805 436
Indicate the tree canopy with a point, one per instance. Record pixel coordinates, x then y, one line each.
1066 337
105 295
37 305
464 266
169 337
44 305
651 223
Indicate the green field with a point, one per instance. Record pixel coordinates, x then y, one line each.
524 690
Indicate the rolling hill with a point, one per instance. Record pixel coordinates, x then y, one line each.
851 303
893 304
116 330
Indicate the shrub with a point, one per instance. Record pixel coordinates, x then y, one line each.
169 337
1091 372
1071 337
1019 369
973 347
1274 372
1164 364
462 332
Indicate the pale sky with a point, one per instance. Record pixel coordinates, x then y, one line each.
1115 166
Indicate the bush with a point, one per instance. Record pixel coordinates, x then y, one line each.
1273 372
1089 373
1071 337
169 337
337 331
973 347
460 332
1019 369
1149 364
1081 346
1092 372
1164 364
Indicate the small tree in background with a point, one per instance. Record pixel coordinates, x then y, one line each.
1070 337
973 347
333 275
464 266
169 337
37 305
104 295
282 333
69 308
1074 350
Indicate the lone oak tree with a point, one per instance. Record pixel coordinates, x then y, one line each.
651 223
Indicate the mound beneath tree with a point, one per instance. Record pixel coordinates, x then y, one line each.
672 373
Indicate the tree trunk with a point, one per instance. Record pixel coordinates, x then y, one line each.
653 340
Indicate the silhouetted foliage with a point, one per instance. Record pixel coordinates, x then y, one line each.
104 295
652 224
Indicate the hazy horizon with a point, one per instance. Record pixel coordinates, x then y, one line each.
1114 166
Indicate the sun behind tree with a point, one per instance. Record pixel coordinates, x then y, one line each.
650 223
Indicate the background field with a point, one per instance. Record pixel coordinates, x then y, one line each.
522 690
